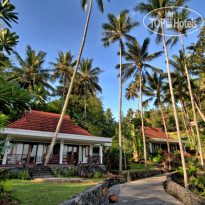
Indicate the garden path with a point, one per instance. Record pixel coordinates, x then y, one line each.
143 192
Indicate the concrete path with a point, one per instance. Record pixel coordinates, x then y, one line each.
144 191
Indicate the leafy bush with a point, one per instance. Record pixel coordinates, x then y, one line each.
6 185
96 175
111 158
66 172
24 175
157 159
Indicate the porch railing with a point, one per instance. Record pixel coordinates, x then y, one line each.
17 158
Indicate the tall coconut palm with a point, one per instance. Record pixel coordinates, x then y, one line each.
158 9
88 80
138 58
136 83
180 80
84 4
183 16
30 72
131 94
63 70
117 28
180 92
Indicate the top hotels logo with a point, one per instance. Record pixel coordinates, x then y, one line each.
172 20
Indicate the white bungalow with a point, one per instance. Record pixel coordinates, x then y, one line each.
32 134
158 140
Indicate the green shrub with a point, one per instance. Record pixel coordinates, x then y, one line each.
103 176
66 172
6 185
157 159
24 175
96 175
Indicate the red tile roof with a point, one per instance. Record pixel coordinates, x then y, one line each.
47 122
157 133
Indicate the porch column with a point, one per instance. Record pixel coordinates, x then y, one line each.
91 150
61 152
150 146
101 154
6 151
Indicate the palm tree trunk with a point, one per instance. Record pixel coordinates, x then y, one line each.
174 107
138 111
64 85
85 107
191 141
165 128
70 89
143 132
133 106
192 103
120 106
200 112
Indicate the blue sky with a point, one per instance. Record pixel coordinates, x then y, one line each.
51 25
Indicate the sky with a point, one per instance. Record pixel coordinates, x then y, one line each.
51 25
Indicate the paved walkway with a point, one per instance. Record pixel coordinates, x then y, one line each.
144 191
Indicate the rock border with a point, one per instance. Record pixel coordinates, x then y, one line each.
183 195
98 195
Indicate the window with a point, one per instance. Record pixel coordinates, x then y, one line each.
87 150
96 151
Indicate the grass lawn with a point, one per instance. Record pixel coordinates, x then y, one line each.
140 167
34 193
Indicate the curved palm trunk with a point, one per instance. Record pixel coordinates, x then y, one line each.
143 132
120 107
193 107
174 107
64 85
191 141
165 128
200 112
70 89
133 104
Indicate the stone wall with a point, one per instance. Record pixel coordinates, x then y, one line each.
98 195
185 196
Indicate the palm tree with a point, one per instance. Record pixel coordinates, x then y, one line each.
136 83
158 9
88 78
137 57
63 70
117 28
84 4
180 91
7 15
183 17
30 73
155 91
131 94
